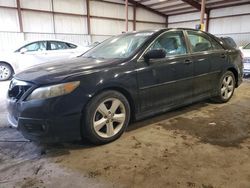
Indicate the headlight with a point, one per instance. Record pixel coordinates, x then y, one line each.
53 90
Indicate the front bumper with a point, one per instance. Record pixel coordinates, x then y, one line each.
42 121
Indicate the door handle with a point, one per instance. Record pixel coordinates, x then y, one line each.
188 61
223 56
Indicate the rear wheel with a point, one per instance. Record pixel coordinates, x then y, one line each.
106 117
226 87
5 71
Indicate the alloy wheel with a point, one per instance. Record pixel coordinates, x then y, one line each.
5 72
109 118
227 87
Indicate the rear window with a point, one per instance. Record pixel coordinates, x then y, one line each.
71 45
56 45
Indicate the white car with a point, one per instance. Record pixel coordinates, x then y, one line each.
246 55
36 52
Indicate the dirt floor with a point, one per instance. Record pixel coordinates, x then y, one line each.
203 145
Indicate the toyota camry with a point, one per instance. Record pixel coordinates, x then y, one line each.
127 77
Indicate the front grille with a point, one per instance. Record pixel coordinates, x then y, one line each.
17 88
246 60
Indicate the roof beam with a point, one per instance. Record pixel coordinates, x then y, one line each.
229 5
178 10
172 7
195 5
147 8
160 3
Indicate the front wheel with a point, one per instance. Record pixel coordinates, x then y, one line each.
226 87
5 71
106 117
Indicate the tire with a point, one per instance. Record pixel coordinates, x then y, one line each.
102 124
226 88
6 71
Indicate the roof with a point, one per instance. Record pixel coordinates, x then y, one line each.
175 7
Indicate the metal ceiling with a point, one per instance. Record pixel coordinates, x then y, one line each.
175 7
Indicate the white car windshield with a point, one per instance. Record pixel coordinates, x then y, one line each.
121 46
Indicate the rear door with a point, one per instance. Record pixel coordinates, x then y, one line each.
166 82
208 57
60 50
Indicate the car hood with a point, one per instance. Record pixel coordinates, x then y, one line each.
59 70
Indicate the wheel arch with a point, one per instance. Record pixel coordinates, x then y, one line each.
126 94
9 65
121 90
234 71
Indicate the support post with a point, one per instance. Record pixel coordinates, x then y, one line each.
207 21
53 15
134 18
203 7
166 21
126 10
19 15
88 17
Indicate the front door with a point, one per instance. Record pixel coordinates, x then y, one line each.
31 55
168 81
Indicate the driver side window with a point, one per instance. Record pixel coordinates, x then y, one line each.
172 42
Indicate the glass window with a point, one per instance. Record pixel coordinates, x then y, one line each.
55 45
71 45
172 42
247 46
216 45
199 42
36 46
121 46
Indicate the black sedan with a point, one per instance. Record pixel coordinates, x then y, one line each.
127 77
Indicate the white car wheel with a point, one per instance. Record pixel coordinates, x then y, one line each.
5 72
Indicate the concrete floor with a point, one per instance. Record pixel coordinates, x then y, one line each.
203 145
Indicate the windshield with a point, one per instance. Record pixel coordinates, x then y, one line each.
121 46
247 47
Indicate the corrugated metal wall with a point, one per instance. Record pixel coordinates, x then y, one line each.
185 20
101 28
223 22
43 23
69 21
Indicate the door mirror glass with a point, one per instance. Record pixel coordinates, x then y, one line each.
23 50
155 54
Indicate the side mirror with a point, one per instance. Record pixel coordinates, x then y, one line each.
155 54
23 50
